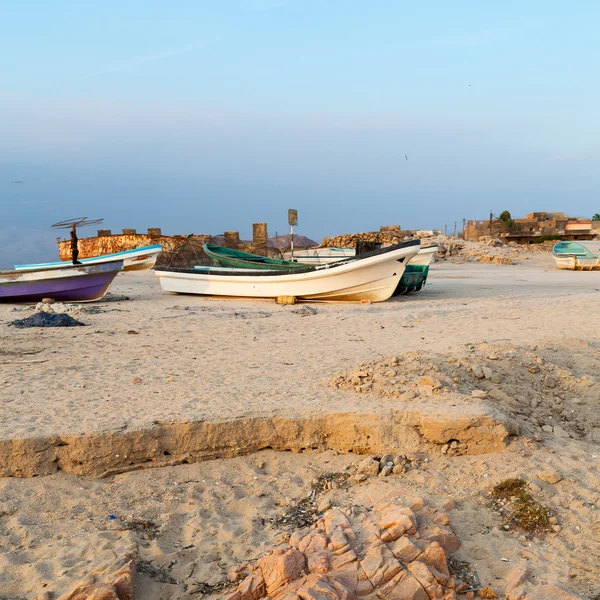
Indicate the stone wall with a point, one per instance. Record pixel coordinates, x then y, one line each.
177 250
349 240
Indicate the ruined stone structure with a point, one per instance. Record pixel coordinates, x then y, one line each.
387 235
178 250
533 227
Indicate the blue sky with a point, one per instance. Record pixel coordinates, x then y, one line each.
201 116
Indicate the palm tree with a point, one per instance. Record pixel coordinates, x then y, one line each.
506 220
596 217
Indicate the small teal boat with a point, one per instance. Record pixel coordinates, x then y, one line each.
584 255
228 257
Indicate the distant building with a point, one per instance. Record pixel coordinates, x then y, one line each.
534 227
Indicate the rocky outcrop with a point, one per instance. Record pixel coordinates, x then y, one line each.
396 551
111 583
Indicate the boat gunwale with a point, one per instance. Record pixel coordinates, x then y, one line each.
14 274
91 259
285 272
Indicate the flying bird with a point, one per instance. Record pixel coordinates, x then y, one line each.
405 157
17 182
469 85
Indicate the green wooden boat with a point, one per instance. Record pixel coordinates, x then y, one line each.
228 257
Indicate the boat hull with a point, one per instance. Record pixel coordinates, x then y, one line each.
372 277
416 272
138 259
575 263
581 255
75 283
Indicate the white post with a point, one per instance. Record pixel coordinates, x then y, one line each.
292 240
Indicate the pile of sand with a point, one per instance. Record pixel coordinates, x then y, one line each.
550 389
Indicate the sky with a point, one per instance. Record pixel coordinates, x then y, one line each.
202 116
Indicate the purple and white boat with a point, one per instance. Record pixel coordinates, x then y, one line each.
71 283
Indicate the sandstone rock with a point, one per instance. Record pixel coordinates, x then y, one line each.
313 542
479 394
320 587
396 519
115 585
368 466
252 588
328 567
324 505
421 572
550 476
136 380
547 428
498 394
299 535
342 560
386 470
443 535
404 550
279 568
434 556
408 588
379 565
477 371
319 562
441 519
416 504
334 519
338 543
550 381
433 382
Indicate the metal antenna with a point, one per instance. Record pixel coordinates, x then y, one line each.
78 222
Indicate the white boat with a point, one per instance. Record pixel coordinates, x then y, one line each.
138 259
371 276
583 255
320 256
424 256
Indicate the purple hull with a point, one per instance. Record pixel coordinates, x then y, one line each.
72 284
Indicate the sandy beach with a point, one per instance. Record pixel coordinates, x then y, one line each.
158 431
